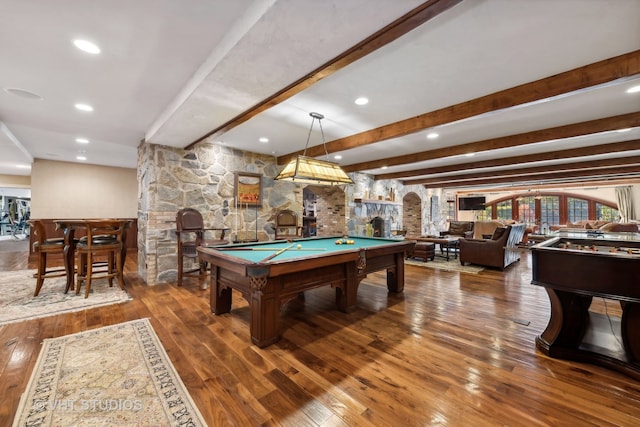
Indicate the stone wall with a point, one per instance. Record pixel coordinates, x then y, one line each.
203 178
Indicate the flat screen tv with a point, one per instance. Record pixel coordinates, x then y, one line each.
471 203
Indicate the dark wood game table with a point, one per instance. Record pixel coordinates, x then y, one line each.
271 273
574 268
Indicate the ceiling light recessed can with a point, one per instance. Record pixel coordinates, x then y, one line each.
82 140
361 101
624 130
86 46
23 93
263 139
84 107
634 89
337 157
81 158
432 135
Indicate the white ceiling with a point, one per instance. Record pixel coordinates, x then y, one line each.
171 72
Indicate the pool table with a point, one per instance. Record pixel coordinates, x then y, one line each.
271 273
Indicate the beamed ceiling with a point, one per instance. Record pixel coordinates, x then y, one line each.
523 94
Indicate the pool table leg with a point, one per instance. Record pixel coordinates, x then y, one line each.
347 294
395 276
219 296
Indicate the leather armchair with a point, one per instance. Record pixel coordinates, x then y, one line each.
459 228
500 251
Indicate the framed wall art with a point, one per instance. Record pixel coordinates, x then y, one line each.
248 189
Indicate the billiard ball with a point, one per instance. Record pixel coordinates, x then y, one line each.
299 246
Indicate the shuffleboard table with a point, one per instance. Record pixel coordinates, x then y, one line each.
271 273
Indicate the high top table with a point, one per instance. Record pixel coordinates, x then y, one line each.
69 227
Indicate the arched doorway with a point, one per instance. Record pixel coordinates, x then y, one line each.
330 208
412 214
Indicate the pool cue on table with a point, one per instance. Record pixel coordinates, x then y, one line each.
277 253
267 249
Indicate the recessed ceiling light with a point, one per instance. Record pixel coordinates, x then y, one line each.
384 167
361 101
263 139
23 166
86 46
337 157
81 158
470 154
432 135
82 140
84 107
23 93
634 89
624 130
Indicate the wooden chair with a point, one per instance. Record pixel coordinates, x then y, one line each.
190 232
105 238
286 226
42 246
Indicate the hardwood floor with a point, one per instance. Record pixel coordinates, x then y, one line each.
452 350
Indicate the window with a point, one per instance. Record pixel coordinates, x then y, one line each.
484 215
527 209
451 209
577 209
504 209
606 213
550 210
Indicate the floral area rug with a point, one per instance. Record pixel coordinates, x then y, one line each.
442 264
17 302
118 375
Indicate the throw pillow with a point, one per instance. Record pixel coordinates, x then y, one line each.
498 233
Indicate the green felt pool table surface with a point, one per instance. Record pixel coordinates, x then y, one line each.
256 252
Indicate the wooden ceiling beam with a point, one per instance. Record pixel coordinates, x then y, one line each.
567 131
632 171
569 81
598 182
614 147
592 165
401 26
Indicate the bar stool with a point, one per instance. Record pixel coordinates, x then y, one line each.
42 247
104 238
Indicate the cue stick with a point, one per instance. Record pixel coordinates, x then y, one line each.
277 253
268 249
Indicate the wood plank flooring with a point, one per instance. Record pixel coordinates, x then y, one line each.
453 350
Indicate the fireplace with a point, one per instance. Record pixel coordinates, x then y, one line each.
381 227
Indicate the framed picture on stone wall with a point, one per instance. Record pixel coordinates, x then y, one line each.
248 189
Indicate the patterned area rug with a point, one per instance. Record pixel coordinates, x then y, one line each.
118 375
442 264
17 302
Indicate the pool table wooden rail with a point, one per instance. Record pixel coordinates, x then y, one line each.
267 285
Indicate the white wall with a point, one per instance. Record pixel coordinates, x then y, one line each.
70 190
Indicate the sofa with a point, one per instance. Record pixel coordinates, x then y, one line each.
500 251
